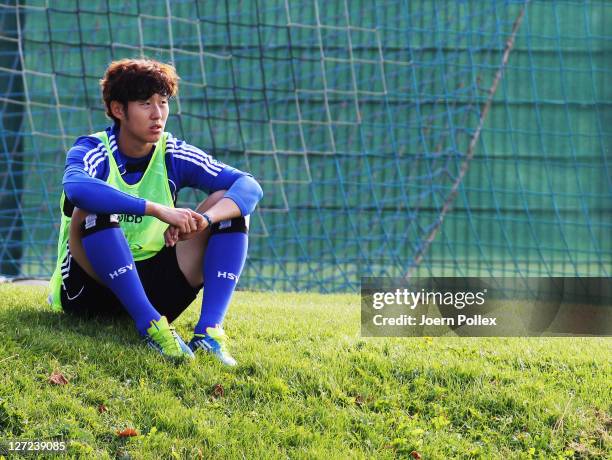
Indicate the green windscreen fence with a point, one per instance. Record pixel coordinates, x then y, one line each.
391 138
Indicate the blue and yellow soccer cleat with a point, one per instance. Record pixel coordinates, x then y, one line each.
213 342
163 338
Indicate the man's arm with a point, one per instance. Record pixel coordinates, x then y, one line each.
242 189
96 196
84 185
194 168
191 167
85 165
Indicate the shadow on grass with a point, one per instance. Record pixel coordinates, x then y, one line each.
100 327
111 342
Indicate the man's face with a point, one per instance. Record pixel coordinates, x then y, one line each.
145 120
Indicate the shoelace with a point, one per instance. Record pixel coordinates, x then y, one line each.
168 340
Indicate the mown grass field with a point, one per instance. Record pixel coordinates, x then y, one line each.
308 386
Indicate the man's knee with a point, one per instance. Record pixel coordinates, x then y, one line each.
211 200
78 215
84 222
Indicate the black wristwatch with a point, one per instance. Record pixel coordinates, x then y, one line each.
207 217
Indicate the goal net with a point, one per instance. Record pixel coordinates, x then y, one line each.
391 138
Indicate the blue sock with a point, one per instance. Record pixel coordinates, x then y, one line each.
223 263
110 256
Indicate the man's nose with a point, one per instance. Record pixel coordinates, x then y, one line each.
156 113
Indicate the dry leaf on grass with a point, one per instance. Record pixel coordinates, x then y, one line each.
127 433
57 378
218 391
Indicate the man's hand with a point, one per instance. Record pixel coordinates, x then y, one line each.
172 235
184 223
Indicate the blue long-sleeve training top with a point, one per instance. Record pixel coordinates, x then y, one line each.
87 168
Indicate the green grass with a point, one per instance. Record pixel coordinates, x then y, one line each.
308 386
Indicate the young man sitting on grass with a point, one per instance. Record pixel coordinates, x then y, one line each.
123 245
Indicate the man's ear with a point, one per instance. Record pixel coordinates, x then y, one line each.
118 110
